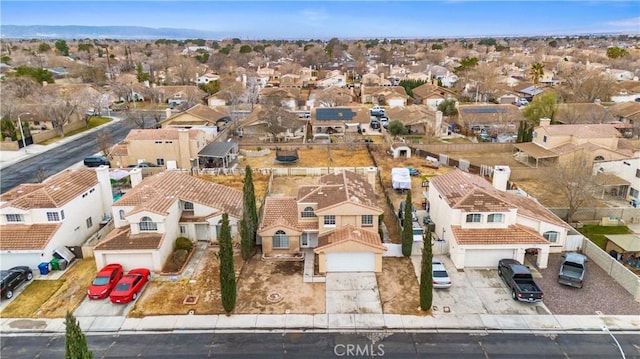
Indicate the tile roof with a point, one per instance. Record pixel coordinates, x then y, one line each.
489 114
167 133
280 211
582 113
411 115
157 193
472 193
121 238
26 236
54 192
514 234
349 233
337 188
583 130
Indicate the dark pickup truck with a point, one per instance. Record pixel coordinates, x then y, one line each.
518 278
572 270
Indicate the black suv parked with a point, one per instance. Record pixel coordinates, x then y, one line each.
11 279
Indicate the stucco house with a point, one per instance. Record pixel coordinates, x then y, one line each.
198 116
338 218
161 208
553 143
206 78
480 223
432 95
171 146
392 96
64 210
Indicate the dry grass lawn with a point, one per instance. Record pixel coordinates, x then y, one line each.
315 157
260 182
167 297
398 286
260 278
53 298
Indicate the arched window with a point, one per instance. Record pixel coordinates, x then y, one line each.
551 236
495 218
280 240
121 213
599 158
146 224
308 213
474 218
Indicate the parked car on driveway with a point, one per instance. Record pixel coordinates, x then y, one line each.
130 286
105 281
441 279
519 279
12 278
572 270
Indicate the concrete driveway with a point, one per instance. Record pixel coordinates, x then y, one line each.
478 291
352 293
102 308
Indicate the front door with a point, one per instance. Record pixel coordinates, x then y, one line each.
304 240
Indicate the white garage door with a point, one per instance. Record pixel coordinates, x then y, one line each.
351 262
8 260
486 258
130 261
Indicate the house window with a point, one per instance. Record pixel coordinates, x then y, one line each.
535 134
634 193
146 224
89 222
367 220
495 218
329 220
188 206
121 213
15 218
280 240
551 236
544 138
62 214
474 218
53 216
308 213
183 229
160 161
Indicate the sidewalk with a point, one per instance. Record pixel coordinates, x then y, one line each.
7 158
329 322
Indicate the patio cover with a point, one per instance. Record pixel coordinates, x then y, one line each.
218 149
534 150
118 174
628 242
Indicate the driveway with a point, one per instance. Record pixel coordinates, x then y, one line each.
102 308
348 293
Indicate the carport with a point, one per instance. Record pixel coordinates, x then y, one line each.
218 154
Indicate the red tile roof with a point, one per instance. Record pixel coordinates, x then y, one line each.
121 238
280 211
515 234
26 236
349 233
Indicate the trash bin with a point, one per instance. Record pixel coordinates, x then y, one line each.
55 264
44 268
62 264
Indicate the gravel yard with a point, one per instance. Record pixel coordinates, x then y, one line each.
599 294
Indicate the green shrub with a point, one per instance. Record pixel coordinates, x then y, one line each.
184 243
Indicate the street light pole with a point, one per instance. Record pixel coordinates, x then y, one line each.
24 142
606 330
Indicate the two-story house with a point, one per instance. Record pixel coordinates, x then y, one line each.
432 95
338 218
64 210
478 223
171 147
161 208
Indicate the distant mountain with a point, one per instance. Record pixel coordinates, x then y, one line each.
104 32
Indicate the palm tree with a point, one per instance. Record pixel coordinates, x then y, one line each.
536 72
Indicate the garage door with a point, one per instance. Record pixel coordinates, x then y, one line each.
130 261
351 262
486 258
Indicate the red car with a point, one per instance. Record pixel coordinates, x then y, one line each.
130 286
105 281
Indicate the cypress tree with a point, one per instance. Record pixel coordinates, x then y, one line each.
75 341
246 240
227 272
407 227
426 275
249 197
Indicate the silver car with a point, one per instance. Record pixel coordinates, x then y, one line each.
441 278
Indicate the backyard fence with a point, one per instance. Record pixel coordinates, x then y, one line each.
616 270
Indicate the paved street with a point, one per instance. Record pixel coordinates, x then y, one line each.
332 345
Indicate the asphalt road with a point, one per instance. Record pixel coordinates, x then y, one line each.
331 345
58 158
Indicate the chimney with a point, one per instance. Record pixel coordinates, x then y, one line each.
167 112
136 176
545 121
184 148
104 183
438 124
244 80
501 177
371 176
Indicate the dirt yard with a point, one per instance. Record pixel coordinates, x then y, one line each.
315 157
398 286
53 298
259 279
260 182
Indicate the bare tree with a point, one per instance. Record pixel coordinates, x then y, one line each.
59 108
332 97
104 142
252 92
278 120
571 178
583 85
40 174
185 70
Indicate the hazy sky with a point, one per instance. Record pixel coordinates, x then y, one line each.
343 19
